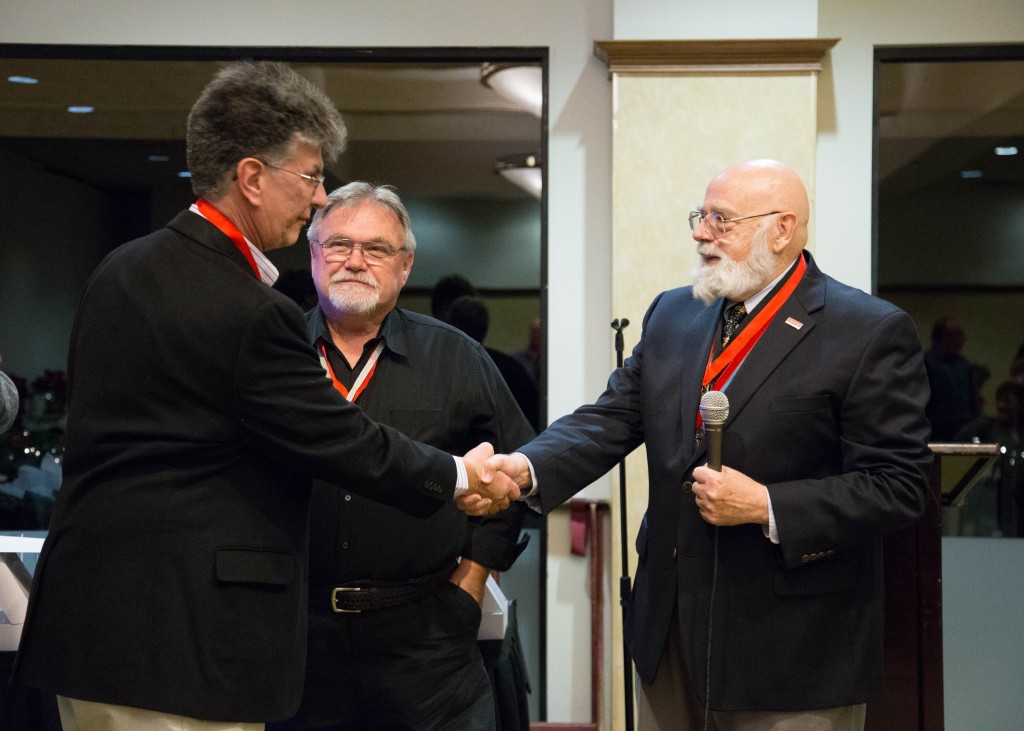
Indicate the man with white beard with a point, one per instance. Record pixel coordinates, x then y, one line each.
758 595
394 600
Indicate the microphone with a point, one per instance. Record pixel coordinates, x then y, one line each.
714 410
8 402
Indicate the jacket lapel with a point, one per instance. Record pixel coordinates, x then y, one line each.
206 234
792 324
696 345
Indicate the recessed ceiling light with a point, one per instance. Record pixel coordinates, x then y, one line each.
80 110
22 80
184 174
971 174
1008 150
159 158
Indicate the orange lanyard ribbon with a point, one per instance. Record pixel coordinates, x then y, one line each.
230 230
721 369
362 380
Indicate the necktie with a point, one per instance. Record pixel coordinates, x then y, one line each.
733 317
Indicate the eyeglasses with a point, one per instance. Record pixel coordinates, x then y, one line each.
316 180
715 222
343 248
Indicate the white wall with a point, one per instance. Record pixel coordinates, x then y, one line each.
649 20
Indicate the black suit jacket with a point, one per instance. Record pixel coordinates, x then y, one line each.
828 411
173 577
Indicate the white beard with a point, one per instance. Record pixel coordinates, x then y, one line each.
734 279
350 300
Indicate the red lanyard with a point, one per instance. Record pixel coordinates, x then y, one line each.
720 370
229 229
362 380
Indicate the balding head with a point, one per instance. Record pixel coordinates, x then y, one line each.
768 185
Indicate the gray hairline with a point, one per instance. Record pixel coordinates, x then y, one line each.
356 192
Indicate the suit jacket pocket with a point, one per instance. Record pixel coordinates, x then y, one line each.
255 566
832 575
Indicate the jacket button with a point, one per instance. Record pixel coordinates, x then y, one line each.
688 487
805 558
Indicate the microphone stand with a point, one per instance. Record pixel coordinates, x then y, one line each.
627 662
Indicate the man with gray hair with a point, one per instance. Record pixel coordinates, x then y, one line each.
394 601
171 590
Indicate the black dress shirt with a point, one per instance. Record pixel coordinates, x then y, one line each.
437 385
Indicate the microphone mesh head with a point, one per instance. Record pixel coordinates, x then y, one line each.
714 407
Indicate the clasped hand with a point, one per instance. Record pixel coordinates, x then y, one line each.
490 490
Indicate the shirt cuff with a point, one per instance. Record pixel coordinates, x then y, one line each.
461 478
533 479
771 532
532 497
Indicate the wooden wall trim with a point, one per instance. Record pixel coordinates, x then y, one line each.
756 55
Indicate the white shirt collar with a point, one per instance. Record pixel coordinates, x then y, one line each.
268 272
751 302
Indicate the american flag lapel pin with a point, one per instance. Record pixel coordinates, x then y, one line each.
795 324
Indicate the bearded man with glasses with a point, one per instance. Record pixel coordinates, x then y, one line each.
758 595
395 599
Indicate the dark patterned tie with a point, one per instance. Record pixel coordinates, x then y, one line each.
733 317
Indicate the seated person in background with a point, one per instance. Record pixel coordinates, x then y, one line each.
952 402
1006 481
470 315
529 357
446 290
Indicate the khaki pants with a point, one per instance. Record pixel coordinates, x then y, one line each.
78 715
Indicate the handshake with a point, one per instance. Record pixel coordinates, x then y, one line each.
495 480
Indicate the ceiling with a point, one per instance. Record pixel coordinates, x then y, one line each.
429 129
939 118
433 129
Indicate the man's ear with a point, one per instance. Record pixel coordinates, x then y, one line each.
250 176
407 266
785 227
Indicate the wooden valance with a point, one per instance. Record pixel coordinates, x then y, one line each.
667 57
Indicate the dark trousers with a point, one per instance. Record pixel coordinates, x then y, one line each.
415 667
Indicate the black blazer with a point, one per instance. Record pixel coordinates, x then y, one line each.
173 577
828 411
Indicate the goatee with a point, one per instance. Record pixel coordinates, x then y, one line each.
361 301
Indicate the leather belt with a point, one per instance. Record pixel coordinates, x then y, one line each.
365 596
